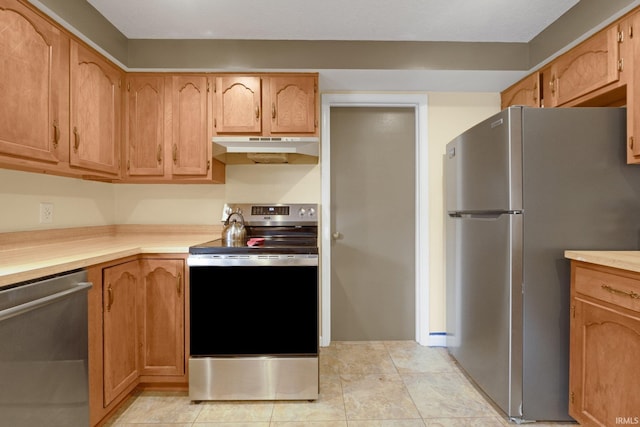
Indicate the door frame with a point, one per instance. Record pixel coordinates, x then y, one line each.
419 103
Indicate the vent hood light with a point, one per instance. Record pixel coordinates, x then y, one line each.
261 144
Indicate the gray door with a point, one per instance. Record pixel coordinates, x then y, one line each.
373 223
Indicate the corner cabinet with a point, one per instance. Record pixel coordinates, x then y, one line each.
34 103
136 311
605 344
266 104
96 98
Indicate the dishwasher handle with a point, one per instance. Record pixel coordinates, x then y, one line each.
41 302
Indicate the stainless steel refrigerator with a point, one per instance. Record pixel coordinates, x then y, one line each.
520 188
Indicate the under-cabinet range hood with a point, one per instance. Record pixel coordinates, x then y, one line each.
265 149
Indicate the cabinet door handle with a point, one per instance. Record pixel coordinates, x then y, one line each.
159 153
110 297
273 110
179 287
257 112
76 137
552 84
56 134
175 154
613 290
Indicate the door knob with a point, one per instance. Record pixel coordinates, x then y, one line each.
336 235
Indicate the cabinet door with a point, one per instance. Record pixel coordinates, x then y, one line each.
95 111
191 137
525 92
162 322
120 325
585 68
31 76
633 90
605 344
145 125
238 104
292 104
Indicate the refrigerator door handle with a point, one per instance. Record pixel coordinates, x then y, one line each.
483 215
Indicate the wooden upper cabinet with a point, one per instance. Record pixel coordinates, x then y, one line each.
268 104
32 76
293 104
525 92
145 122
238 104
587 67
96 97
632 45
191 149
162 320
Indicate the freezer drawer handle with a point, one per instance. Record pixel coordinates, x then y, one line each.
613 290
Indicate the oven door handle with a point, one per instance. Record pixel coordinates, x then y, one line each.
252 260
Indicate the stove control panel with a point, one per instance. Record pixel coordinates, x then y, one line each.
274 213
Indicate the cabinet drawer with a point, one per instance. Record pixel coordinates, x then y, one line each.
606 286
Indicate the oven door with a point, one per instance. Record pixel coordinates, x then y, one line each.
253 328
254 310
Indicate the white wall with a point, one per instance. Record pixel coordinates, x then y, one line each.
76 203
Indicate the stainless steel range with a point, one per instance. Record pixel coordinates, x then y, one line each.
254 308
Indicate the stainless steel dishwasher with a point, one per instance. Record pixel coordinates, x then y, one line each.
43 352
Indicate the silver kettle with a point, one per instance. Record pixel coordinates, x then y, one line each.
234 233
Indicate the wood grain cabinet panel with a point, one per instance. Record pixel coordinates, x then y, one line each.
238 104
525 92
120 325
605 344
162 320
587 67
32 75
293 104
96 97
266 104
145 122
191 149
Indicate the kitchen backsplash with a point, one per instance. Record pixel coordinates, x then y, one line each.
79 203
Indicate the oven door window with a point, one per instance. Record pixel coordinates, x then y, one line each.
254 311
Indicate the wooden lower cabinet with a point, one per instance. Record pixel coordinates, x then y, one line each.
604 377
162 317
136 329
120 323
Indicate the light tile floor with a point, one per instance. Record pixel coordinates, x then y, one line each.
362 384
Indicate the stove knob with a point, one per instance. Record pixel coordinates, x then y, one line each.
312 213
301 212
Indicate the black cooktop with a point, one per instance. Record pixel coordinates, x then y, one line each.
270 246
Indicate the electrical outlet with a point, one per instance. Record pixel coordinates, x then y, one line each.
46 213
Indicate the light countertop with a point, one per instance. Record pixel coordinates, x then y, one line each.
625 260
30 255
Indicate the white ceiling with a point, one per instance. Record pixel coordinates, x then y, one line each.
393 20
